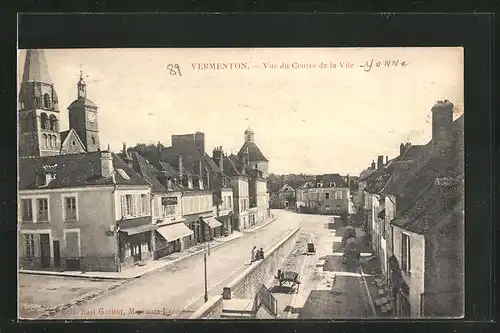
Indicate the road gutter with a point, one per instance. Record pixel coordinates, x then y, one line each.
370 300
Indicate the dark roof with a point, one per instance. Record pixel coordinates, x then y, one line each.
334 178
82 101
74 170
150 174
231 166
169 170
443 197
414 152
254 153
64 135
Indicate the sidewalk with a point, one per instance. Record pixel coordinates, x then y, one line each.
259 226
138 271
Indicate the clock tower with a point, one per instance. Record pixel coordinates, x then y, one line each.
83 118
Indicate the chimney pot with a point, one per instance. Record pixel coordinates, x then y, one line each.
380 161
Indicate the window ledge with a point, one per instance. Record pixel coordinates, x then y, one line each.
71 221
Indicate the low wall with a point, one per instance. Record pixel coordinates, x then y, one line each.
247 283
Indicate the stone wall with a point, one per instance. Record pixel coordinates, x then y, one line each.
248 282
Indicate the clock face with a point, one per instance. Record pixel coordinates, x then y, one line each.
92 118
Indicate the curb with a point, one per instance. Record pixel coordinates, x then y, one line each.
138 275
260 226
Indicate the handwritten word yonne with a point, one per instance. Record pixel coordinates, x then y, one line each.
383 63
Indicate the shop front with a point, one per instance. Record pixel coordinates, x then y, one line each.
134 241
211 228
227 225
172 238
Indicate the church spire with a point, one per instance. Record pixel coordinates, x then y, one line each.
35 67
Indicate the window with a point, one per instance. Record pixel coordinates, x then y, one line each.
93 139
127 204
45 141
44 119
229 202
338 195
53 123
144 204
123 174
29 246
26 210
43 210
70 208
46 101
405 253
168 210
327 195
128 252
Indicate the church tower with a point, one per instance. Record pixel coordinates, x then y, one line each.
83 118
38 109
249 134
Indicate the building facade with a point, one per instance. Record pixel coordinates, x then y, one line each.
329 194
60 227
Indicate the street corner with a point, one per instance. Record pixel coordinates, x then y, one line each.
43 294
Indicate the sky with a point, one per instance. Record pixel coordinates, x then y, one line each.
324 113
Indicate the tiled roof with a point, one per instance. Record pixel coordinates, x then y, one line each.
414 152
231 167
150 174
254 153
441 198
74 170
334 178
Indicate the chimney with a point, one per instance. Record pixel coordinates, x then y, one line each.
126 156
199 139
158 151
373 165
218 157
181 165
347 180
380 162
386 160
442 120
107 169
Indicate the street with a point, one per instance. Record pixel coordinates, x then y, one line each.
329 289
178 290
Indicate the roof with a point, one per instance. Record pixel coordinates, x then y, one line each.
286 187
254 153
442 198
231 167
82 101
74 170
414 152
150 174
35 67
334 178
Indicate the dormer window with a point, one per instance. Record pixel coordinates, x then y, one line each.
169 184
200 184
190 183
123 174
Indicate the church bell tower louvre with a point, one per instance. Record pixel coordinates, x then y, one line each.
83 118
38 109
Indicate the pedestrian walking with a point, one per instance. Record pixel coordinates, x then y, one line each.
254 251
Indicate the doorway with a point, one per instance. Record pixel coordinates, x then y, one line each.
45 250
57 254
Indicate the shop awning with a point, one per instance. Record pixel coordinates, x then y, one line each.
139 229
212 222
174 231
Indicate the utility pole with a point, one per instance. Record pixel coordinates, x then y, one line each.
205 262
